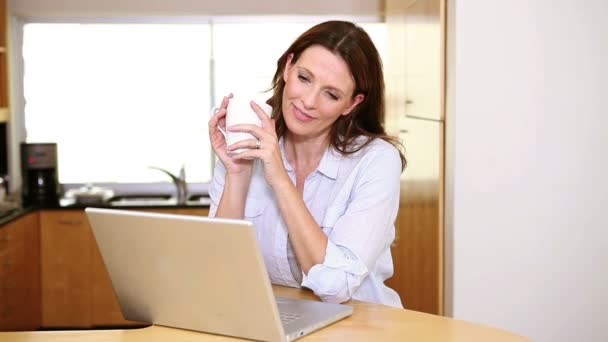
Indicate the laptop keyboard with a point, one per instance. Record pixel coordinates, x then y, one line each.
287 317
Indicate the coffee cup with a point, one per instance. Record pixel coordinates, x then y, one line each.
239 112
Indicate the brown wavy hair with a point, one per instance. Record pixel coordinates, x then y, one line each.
351 43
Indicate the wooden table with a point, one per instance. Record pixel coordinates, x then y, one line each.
369 322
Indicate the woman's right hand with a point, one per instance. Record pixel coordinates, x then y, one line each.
217 123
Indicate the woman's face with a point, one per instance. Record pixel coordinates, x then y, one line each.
318 89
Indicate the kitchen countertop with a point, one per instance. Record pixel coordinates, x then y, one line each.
14 214
66 205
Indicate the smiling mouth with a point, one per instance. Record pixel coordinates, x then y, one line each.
300 115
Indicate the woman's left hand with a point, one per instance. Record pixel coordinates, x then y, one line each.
265 147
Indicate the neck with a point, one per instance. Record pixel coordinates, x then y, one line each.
305 153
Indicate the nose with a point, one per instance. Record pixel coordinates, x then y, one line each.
309 98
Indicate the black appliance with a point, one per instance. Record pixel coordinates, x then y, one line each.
39 172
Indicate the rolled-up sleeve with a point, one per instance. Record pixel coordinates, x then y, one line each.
361 235
337 278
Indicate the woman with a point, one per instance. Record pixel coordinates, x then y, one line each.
321 181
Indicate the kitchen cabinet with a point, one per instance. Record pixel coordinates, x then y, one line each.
415 84
3 64
66 269
76 288
417 249
20 274
416 60
418 272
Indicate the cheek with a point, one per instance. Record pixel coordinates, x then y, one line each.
332 109
288 94
291 88
285 103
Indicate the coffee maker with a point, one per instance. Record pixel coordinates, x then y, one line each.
39 172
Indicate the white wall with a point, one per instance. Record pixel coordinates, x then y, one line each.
527 192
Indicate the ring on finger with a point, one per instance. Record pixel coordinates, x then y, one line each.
258 144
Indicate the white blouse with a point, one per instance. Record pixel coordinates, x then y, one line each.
355 200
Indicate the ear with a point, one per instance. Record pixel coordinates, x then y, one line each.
287 66
356 100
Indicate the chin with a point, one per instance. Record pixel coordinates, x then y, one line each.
296 128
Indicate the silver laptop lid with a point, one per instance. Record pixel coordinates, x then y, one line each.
190 272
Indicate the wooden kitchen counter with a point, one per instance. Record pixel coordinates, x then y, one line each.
370 322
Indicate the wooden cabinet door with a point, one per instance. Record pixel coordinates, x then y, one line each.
20 274
66 269
77 291
417 252
76 288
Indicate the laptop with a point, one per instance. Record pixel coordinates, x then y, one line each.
200 273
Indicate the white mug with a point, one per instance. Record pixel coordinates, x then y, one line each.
239 111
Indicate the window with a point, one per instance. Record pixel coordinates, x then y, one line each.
118 98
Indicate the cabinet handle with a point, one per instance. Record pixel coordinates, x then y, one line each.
422 118
70 222
8 262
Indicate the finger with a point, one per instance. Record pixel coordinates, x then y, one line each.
253 153
217 118
212 122
264 117
225 101
221 114
256 130
247 144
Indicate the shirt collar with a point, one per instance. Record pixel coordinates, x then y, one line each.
329 165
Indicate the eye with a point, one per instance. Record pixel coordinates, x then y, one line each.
303 78
332 95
